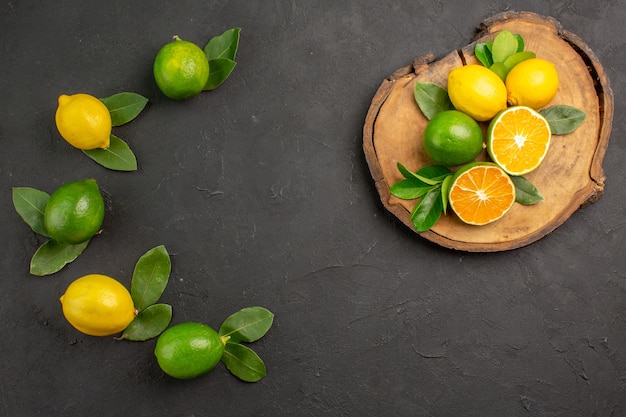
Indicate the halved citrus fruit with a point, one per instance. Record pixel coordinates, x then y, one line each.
481 193
518 139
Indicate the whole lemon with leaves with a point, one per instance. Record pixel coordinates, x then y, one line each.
83 121
98 305
532 83
477 91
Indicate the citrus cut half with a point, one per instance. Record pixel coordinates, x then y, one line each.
518 139
481 193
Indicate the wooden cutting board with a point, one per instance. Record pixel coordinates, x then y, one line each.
571 175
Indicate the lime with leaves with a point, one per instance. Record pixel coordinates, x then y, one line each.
74 212
188 350
181 69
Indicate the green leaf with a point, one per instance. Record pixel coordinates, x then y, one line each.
52 256
445 192
431 99
247 325
223 46
500 70
525 192
219 70
150 277
409 189
504 45
483 54
149 323
503 68
520 42
427 210
405 171
30 204
563 119
434 172
243 362
124 107
429 175
516 58
118 156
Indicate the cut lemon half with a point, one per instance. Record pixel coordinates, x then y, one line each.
518 139
481 193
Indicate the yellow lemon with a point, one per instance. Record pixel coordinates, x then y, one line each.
532 83
83 121
477 91
98 305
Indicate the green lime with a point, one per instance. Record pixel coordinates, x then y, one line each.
181 69
188 350
452 138
74 212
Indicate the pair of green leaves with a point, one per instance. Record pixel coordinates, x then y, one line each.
51 256
150 277
501 55
123 107
247 325
221 51
431 184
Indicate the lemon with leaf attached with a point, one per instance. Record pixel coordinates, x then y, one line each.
98 305
83 121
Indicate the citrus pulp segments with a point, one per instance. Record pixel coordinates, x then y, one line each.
518 140
481 194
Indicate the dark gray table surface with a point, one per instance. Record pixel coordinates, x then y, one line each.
261 194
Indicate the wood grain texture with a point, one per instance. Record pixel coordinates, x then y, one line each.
571 175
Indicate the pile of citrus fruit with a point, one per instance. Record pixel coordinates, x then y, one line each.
496 104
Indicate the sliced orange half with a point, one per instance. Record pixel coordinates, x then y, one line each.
518 139
481 193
